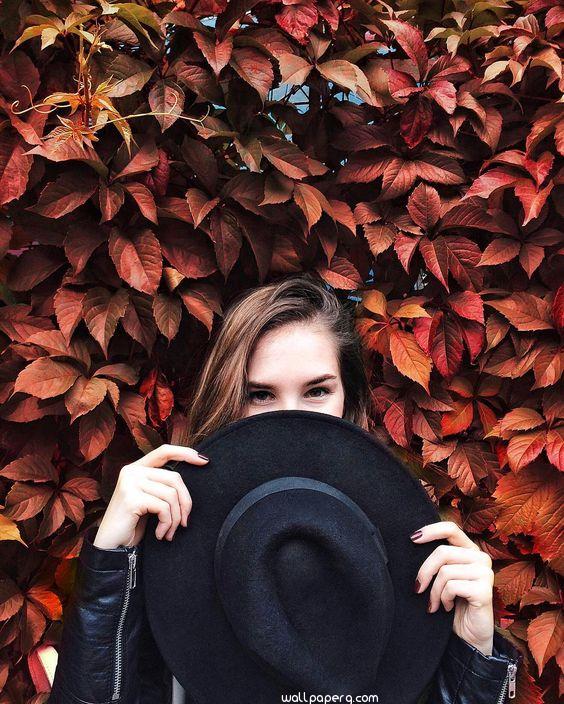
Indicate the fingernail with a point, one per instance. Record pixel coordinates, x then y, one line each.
417 586
417 534
204 457
188 518
429 606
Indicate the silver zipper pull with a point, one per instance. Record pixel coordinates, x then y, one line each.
512 672
132 556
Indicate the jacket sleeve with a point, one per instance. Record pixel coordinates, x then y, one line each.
107 653
467 676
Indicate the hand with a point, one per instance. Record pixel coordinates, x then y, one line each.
145 487
464 580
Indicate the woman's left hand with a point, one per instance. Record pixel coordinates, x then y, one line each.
463 571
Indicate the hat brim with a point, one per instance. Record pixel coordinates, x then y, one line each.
183 608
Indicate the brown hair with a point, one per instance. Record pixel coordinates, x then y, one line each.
221 390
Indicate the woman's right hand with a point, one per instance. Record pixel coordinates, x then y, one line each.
145 487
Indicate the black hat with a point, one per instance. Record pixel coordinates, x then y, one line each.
295 573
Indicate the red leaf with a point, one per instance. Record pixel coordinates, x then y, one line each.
444 94
488 418
468 305
254 67
558 308
415 121
65 194
468 464
446 345
437 451
464 256
435 255
404 248
217 53
531 257
227 239
166 99
499 251
397 420
474 336
399 177
297 19
411 41
532 199
14 167
491 181
144 199
137 258
424 206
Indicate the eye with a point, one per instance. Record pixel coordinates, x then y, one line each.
252 395
320 388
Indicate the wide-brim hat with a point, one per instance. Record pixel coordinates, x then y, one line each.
295 573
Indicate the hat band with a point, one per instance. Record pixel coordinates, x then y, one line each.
283 484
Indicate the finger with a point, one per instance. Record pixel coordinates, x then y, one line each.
162 508
466 572
445 529
169 453
473 591
174 479
168 494
447 554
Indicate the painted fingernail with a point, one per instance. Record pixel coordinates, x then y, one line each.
203 457
417 586
417 534
188 518
429 606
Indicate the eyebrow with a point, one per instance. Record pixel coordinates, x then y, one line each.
317 380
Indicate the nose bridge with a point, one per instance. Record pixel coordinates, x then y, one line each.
291 400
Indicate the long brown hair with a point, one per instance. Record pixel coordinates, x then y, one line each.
221 390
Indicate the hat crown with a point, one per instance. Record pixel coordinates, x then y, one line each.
315 570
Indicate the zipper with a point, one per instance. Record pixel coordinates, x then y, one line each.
509 683
131 582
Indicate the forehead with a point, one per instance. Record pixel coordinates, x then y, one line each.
304 350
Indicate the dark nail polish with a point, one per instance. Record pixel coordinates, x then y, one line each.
188 518
204 457
417 534
429 606
417 586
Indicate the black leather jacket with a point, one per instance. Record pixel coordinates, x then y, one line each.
108 655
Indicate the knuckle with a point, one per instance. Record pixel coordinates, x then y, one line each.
442 551
486 559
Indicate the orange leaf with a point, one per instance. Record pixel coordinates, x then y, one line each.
532 502
514 580
524 448
409 358
555 447
545 635
459 419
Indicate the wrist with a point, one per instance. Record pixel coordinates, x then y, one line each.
485 647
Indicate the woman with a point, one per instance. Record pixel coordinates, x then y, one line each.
290 344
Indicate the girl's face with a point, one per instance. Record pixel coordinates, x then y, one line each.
294 367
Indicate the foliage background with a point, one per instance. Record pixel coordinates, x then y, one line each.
407 153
